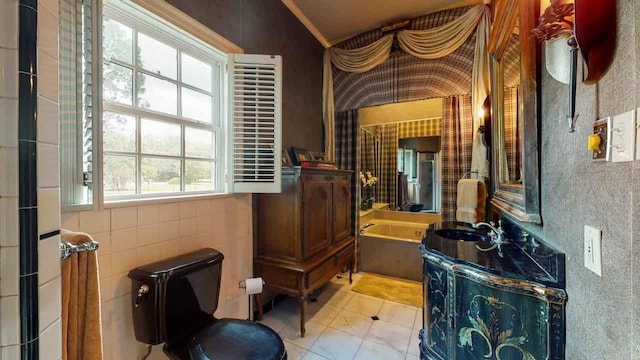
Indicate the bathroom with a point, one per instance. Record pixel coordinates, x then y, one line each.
144 169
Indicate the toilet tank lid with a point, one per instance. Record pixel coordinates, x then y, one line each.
178 264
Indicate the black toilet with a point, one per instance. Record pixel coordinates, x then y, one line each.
173 302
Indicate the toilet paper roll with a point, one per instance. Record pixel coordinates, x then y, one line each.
253 286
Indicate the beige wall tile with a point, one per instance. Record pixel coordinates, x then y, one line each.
51 5
104 239
149 254
49 311
169 249
48 210
48 76
121 285
9 20
9 221
188 210
169 212
104 265
148 214
48 166
124 218
48 266
188 227
204 207
124 239
123 261
50 340
148 234
48 129
205 224
169 230
48 33
70 221
95 221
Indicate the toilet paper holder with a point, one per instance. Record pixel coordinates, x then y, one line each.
242 284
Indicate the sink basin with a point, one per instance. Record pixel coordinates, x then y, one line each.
462 235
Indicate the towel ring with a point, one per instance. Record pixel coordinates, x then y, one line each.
468 173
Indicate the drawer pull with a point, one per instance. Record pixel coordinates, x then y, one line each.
328 178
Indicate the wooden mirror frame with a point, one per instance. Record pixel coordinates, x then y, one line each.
522 202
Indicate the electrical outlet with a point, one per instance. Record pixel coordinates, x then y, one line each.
593 249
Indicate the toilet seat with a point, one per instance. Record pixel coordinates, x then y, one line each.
231 339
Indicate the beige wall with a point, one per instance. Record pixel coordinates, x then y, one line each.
412 110
134 236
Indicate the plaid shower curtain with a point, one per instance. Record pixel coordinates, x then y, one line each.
369 157
457 136
389 164
347 140
511 129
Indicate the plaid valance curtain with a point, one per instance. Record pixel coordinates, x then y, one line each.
420 128
457 136
444 53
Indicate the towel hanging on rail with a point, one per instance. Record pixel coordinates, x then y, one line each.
81 321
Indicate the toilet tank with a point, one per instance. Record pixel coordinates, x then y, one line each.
172 298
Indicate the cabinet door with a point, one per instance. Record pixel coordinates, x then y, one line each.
317 217
507 324
436 321
341 210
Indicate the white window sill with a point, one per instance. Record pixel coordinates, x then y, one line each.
163 200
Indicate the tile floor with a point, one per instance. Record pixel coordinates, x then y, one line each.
340 326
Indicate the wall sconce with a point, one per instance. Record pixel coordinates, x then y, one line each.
589 26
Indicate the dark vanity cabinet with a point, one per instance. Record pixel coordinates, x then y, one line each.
304 234
474 309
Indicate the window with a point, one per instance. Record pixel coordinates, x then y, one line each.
75 103
169 119
162 111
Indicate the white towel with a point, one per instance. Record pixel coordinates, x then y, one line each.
479 160
467 203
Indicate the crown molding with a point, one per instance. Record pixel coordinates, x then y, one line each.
306 22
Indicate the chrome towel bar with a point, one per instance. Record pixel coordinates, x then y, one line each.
67 249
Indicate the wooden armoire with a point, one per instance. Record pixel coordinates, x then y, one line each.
304 234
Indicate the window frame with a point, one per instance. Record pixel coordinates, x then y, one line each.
76 174
151 25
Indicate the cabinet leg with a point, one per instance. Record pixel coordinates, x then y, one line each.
258 299
303 310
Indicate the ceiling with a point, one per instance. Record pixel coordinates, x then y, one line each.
332 21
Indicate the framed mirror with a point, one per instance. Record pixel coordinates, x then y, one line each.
515 107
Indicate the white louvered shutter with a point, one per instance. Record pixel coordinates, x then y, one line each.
255 123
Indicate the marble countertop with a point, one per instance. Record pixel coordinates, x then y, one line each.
515 263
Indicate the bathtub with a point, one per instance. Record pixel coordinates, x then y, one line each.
391 248
397 230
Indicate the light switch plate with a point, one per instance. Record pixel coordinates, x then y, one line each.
638 134
623 137
593 249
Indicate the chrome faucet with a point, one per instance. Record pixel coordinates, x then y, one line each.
496 234
365 226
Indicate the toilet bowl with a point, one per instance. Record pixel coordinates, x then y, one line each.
173 302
